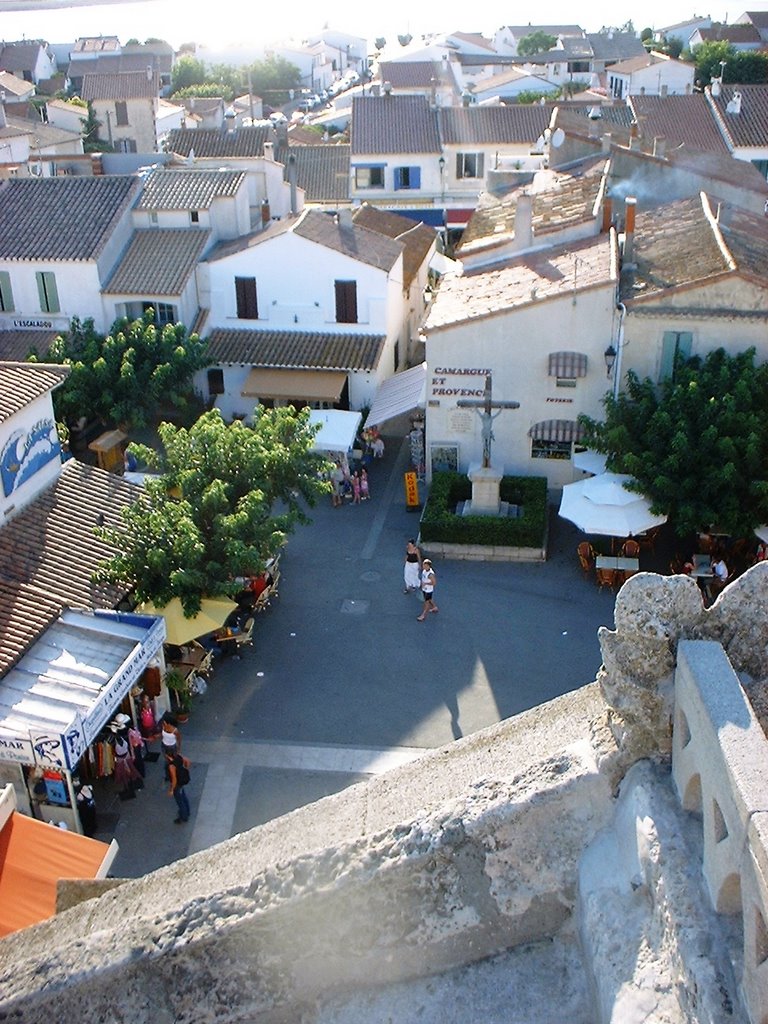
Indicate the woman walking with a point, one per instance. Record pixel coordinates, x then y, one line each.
412 567
428 584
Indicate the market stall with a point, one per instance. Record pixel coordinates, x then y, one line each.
57 700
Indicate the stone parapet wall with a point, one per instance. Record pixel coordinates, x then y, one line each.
484 552
720 769
447 860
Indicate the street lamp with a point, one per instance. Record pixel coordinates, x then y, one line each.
610 359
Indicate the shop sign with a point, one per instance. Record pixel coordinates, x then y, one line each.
124 679
560 401
13 748
440 384
34 325
411 490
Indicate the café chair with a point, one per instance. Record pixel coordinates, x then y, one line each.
605 578
630 548
245 636
648 539
586 555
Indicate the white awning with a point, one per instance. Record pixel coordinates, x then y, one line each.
62 692
338 429
402 393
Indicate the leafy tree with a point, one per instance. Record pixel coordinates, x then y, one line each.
273 79
205 89
240 490
126 376
646 36
697 446
187 71
671 47
91 124
707 58
405 38
536 42
749 67
229 76
380 43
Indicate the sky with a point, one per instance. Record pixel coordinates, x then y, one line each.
235 21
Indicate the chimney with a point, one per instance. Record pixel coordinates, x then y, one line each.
3 122
269 151
281 132
715 87
660 146
630 207
524 221
345 218
265 212
664 89
387 88
149 72
292 183
634 135
605 142
607 213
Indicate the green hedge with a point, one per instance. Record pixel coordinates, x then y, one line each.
440 523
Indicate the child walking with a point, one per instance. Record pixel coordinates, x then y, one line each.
355 488
364 492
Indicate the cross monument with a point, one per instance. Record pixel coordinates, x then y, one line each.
486 479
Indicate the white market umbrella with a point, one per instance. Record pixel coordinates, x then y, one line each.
603 506
762 533
590 462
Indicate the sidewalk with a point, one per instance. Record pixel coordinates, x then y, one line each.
343 682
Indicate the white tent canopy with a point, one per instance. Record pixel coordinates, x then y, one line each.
402 393
602 505
338 429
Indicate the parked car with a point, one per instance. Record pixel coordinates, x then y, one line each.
278 117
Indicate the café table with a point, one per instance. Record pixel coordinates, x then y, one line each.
702 567
620 563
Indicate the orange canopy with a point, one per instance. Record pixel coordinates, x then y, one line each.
33 857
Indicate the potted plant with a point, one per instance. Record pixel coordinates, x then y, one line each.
181 696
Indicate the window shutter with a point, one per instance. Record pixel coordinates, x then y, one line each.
398 178
6 294
459 165
53 294
684 344
415 177
346 302
245 293
667 365
480 165
41 291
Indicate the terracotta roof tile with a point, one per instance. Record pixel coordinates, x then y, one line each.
61 218
25 613
489 125
674 245
17 346
22 383
158 261
417 239
413 74
209 143
748 128
173 189
296 350
125 85
321 171
615 45
393 124
743 33
520 282
368 247
51 545
681 120
569 199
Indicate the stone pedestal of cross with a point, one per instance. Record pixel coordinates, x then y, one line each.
486 479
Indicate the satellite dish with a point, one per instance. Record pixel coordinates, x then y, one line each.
558 137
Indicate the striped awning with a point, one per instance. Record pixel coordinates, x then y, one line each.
568 365
556 430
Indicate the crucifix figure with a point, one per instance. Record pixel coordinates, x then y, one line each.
483 407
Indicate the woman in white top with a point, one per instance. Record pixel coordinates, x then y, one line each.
428 583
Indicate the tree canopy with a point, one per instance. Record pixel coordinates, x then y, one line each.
741 67
697 445
187 70
226 499
273 79
125 376
536 42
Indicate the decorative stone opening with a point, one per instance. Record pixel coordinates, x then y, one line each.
761 939
683 729
729 897
692 798
718 823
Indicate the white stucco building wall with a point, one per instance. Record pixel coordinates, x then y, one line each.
24 436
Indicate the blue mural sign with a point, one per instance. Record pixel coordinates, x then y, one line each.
27 451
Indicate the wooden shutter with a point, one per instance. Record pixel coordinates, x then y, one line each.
673 343
346 302
46 290
247 305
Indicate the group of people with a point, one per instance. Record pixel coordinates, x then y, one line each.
349 485
419 574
